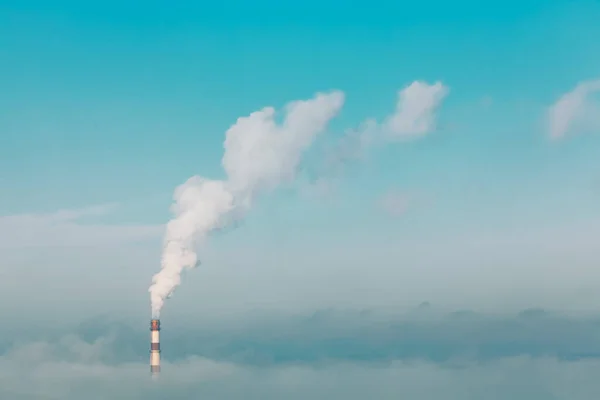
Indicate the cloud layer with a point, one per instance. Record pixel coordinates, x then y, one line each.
330 336
330 354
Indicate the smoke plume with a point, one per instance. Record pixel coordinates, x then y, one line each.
259 155
414 116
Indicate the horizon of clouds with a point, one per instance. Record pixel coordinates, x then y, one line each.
426 332
519 378
426 354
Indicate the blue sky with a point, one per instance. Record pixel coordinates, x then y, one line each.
119 103
105 107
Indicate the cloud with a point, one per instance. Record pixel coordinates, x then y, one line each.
260 154
370 337
415 110
65 228
72 366
414 116
514 378
332 336
575 111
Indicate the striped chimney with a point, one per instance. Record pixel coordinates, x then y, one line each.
155 347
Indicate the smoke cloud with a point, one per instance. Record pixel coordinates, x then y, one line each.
414 116
259 155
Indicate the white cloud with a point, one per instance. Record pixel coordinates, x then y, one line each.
415 110
64 228
259 153
73 369
575 111
414 116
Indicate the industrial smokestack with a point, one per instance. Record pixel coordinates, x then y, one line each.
155 347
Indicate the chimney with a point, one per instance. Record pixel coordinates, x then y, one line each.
155 347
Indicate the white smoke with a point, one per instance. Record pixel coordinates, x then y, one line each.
415 110
414 116
259 155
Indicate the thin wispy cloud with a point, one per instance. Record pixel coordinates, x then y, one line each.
575 111
65 228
